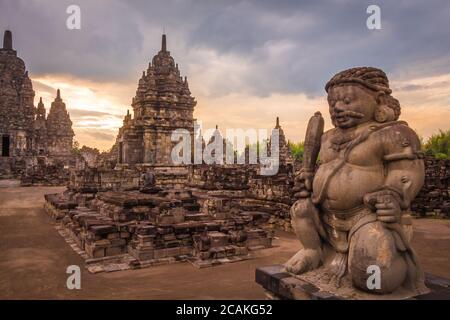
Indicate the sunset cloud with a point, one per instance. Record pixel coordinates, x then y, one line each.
96 108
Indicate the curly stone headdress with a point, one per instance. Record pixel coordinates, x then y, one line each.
369 77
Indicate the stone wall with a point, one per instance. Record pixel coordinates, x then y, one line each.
433 199
221 188
124 177
102 179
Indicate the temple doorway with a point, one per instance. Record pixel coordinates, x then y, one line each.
5 146
120 152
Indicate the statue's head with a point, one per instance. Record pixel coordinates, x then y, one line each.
360 95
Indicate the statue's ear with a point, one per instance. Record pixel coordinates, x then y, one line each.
383 112
381 98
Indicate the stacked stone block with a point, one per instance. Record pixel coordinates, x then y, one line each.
167 225
433 198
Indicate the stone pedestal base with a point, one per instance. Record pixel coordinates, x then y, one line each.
283 285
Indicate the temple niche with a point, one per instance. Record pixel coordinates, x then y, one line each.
163 103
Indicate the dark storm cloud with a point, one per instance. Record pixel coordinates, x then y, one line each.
106 46
288 46
327 37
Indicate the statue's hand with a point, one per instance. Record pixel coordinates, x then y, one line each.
388 209
303 184
386 205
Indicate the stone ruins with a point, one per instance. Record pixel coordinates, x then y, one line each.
132 205
33 147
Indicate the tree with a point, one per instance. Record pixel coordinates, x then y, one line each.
87 149
438 145
76 147
297 150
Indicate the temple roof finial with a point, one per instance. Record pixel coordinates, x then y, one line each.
40 99
163 43
58 94
278 123
7 40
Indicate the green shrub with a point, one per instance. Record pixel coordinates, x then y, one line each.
438 145
297 150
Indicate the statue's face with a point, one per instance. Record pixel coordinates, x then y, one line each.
351 105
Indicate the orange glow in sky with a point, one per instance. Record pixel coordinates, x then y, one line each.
97 109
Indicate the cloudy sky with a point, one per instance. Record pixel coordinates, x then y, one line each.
246 61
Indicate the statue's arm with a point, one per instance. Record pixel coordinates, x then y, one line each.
303 182
407 178
404 173
405 170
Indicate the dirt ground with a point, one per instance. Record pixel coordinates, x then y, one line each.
34 258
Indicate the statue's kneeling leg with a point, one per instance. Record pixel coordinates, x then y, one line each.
304 221
373 249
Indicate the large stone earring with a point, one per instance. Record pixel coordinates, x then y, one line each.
383 114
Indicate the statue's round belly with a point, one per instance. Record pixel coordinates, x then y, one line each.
348 186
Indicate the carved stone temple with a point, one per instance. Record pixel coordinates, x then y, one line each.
17 109
59 130
162 104
30 142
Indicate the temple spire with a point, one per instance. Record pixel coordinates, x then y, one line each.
40 115
58 94
7 40
163 43
278 123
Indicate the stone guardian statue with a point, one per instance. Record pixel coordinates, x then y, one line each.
353 212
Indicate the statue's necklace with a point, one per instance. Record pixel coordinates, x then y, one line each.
341 140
